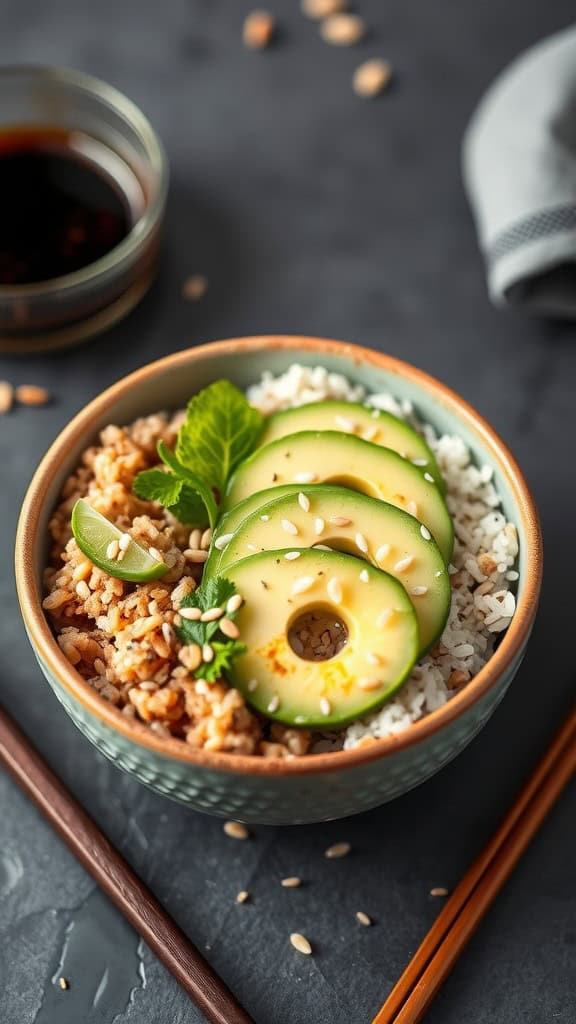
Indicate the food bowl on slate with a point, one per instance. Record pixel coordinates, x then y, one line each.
300 789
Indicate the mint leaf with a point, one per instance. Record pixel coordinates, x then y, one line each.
172 493
220 430
192 480
224 654
212 594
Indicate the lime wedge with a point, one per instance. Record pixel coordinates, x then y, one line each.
99 539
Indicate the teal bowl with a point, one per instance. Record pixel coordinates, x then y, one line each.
301 789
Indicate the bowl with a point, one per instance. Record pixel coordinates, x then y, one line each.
107 131
253 789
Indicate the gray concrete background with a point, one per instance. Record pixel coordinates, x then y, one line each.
310 212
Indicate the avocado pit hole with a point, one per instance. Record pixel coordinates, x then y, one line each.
317 634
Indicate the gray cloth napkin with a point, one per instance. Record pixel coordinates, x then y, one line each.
519 165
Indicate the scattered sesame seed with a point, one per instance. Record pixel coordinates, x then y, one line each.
425 532
334 589
236 830
370 433
319 525
439 890
264 519
229 628
124 541
300 942
322 8
342 29
195 538
207 654
429 478
339 521
289 527
371 78
304 502
412 508
242 896
31 394
363 918
419 591
64 984
252 547
206 539
274 704
302 584
192 614
419 462
345 424
300 719
404 564
155 554
325 706
321 547
167 632
258 30
369 684
361 543
252 685
211 615
372 658
384 618
305 478
383 552
197 557
234 603
365 578
195 287
223 540
112 550
337 850
293 882
291 555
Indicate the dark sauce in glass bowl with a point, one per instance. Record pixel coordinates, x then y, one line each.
66 200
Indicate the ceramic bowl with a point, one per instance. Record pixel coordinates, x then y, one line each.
303 789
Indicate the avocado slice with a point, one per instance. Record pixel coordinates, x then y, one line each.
351 522
229 522
329 457
372 425
376 617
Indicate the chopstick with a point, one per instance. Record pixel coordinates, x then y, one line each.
115 876
463 912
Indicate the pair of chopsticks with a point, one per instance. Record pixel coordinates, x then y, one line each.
425 973
463 912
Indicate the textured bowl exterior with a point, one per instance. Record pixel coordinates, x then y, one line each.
256 790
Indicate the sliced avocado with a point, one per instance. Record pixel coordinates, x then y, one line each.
329 457
376 617
356 524
372 425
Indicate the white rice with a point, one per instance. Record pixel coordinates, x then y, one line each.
483 602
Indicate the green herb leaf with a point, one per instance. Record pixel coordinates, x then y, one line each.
221 429
224 654
193 480
212 594
182 500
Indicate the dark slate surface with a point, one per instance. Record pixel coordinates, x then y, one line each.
310 212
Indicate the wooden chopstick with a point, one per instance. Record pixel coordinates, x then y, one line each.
462 913
117 879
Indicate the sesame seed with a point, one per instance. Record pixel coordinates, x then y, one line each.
192 614
236 830
325 706
322 8
383 552
371 78
425 532
361 543
205 539
234 603
429 478
419 462
197 557
112 550
304 502
384 618
167 632
120 555
31 394
321 547
369 684
342 29
372 658
305 478
291 555
222 541
404 564
274 704
229 628
300 719
319 525
124 541
439 890
363 918
258 30
370 433
195 538
195 287
300 942
207 653
439 573
419 591
302 584
365 578
83 590
64 984
264 519
252 547
242 896
345 424
211 615
334 588
339 521
289 527
155 554
412 508
293 882
252 685
337 850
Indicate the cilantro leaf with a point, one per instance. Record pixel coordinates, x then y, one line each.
193 480
224 654
213 594
172 493
220 430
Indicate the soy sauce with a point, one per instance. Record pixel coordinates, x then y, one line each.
66 200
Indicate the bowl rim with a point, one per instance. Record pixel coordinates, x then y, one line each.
46 647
